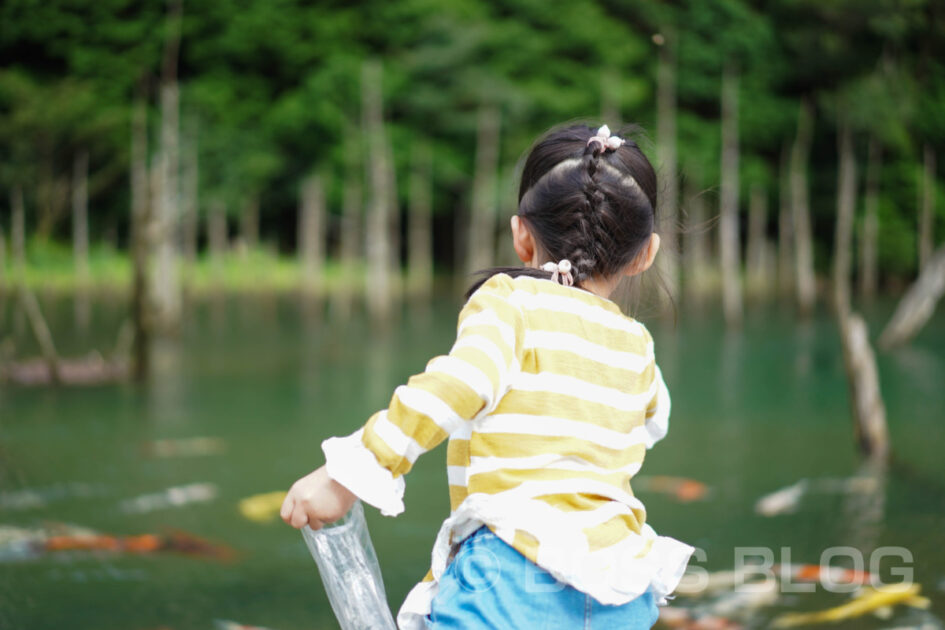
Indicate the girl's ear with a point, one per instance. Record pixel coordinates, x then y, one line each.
645 257
522 240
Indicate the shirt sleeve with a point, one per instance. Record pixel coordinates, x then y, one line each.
454 389
657 411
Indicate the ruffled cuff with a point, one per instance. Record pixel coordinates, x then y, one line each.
353 465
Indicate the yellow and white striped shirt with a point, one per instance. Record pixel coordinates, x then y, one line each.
549 399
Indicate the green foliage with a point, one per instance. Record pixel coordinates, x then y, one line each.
271 91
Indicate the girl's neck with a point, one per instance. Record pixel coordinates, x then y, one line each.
602 287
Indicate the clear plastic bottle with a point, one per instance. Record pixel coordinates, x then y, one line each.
350 572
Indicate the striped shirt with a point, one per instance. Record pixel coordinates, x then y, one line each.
549 398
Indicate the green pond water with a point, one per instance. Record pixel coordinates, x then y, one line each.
752 412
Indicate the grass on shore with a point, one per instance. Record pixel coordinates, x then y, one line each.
50 267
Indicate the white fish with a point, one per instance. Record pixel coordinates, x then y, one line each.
171 497
783 501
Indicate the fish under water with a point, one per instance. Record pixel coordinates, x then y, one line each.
20 544
262 508
170 497
31 498
869 600
680 488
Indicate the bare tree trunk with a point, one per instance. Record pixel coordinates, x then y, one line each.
729 249
846 206
918 304
351 238
166 298
870 226
927 217
190 193
141 229
609 98
311 233
394 223
217 236
869 413
3 269
378 246
420 237
696 247
41 332
668 174
18 230
480 248
785 226
249 222
757 242
803 245
80 217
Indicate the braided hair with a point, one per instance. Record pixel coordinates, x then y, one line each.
582 201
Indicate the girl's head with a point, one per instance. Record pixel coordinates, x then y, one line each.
586 202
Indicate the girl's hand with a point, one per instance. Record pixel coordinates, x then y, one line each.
316 499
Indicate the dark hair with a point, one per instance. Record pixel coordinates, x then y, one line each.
594 207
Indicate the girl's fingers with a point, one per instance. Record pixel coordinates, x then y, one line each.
299 518
285 512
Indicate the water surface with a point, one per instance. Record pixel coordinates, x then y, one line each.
752 412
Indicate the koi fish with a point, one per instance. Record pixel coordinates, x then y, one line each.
262 508
818 573
171 497
223 624
681 619
869 600
783 501
176 542
682 489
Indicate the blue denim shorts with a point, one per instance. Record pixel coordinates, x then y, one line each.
491 585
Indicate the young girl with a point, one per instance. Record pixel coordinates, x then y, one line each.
549 399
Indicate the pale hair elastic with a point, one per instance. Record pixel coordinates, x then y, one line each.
560 269
606 140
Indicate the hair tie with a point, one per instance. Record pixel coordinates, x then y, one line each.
563 269
606 141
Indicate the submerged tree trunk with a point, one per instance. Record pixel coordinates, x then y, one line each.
846 206
44 338
869 413
755 256
311 233
141 229
249 222
480 244
803 242
18 230
870 227
785 226
166 298
80 217
918 304
927 216
668 198
420 237
190 192
729 249
380 191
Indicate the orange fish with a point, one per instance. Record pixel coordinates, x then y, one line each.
681 488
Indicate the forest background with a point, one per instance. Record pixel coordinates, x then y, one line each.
241 115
